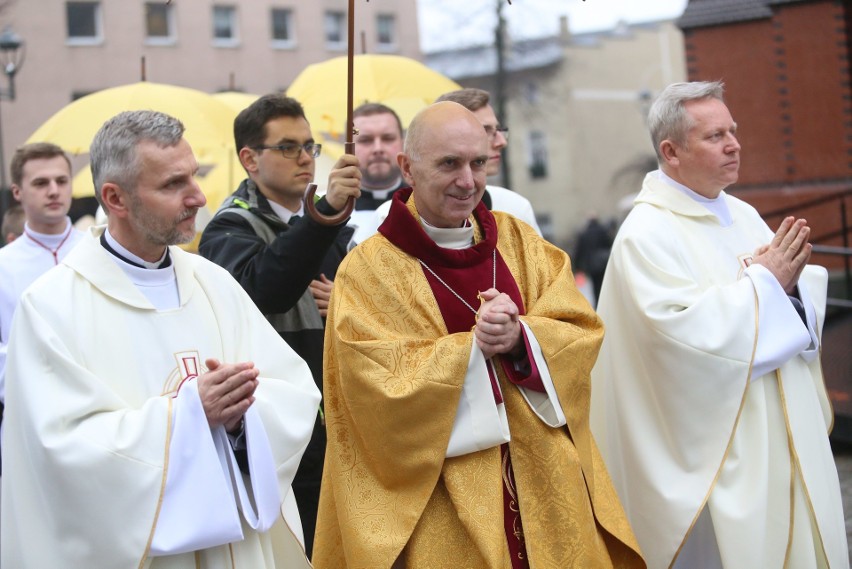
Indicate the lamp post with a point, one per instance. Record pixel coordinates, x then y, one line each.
12 53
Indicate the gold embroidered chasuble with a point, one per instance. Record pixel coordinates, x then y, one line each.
393 378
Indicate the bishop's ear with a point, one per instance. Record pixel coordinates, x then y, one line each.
404 162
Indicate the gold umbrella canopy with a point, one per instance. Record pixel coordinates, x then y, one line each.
208 122
215 179
404 84
237 100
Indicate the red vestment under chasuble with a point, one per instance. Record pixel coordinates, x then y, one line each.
398 347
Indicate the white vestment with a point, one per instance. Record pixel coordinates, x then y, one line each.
708 401
503 199
21 262
108 458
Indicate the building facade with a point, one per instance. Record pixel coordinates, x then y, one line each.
786 68
576 108
258 46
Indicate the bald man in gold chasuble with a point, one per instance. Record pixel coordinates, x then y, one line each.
458 354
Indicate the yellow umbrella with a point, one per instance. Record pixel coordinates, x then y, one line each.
208 122
82 185
237 100
404 84
215 180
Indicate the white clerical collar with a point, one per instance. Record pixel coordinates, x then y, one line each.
130 256
158 285
449 237
52 240
382 193
284 213
718 206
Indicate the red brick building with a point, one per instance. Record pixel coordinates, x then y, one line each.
786 67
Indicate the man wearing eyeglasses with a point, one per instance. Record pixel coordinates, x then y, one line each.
495 197
285 261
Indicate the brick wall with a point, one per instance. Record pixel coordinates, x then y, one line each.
788 87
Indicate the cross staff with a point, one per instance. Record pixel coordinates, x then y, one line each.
349 146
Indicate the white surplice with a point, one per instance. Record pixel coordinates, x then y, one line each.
21 262
708 401
108 459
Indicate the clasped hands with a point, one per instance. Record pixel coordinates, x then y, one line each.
227 392
498 325
787 254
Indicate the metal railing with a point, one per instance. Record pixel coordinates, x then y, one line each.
842 231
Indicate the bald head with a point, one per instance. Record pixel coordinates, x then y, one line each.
444 161
438 120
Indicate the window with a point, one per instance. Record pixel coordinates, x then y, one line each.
335 30
537 156
386 32
84 22
283 32
225 25
159 23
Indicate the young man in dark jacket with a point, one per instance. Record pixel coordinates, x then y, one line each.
285 260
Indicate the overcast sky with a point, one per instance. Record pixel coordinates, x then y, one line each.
453 23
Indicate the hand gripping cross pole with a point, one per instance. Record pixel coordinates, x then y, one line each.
349 146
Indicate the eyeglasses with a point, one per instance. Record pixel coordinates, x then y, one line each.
492 131
293 150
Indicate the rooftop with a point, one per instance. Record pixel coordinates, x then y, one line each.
702 13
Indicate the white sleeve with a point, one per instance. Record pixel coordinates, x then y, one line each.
812 351
3 350
204 486
198 509
781 333
262 509
546 405
480 422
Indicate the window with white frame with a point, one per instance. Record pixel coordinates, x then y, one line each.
335 30
537 154
386 32
225 25
283 32
159 23
84 22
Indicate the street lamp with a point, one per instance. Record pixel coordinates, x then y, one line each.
12 53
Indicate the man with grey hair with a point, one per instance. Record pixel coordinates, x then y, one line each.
708 400
155 417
